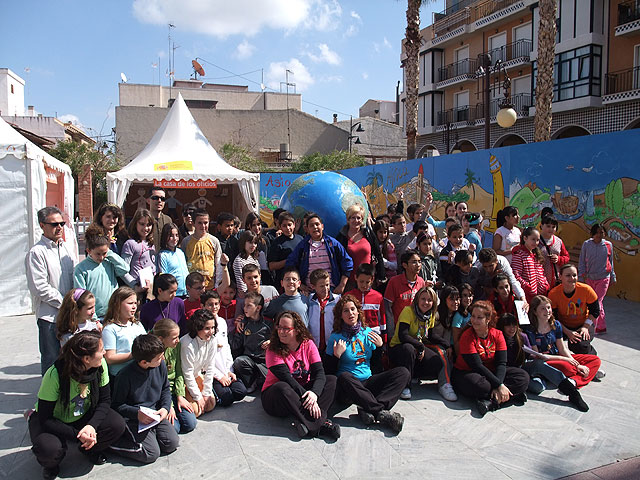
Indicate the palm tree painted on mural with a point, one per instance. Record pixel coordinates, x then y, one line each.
375 180
470 180
544 78
411 64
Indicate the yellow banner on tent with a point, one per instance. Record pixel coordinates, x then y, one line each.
177 165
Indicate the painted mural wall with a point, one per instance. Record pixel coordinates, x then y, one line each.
586 180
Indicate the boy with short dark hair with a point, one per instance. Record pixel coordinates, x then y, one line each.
291 299
458 273
203 251
320 311
253 281
228 304
455 243
282 246
142 395
372 303
195 287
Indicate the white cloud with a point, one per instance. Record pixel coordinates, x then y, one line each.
324 15
331 79
326 55
365 75
301 76
221 18
244 50
377 46
386 43
355 15
70 118
350 31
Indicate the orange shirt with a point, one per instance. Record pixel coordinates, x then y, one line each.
572 311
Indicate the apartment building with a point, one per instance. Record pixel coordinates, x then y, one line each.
596 74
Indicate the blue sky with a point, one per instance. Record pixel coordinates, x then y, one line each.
341 52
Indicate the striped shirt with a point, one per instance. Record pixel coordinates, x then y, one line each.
318 258
529 272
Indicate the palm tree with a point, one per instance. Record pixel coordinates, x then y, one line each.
544 79
470 179
411 73
374 178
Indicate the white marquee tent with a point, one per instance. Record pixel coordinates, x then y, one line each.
180 156
30 179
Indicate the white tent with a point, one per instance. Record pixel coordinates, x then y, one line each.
180 156
30 179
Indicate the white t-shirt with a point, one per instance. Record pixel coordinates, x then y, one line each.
510 238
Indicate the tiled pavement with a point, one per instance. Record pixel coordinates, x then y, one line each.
545 439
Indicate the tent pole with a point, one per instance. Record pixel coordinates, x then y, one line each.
31 233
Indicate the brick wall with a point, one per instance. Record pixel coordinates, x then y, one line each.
85 194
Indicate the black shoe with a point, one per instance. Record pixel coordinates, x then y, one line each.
366 417
330 429
394 420
50 473
301 428
97 458
484 406
519 399
576 399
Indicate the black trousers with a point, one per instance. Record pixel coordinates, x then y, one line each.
583 347
280 400
376 393
248 370
405 355
227 395
476 386
50 449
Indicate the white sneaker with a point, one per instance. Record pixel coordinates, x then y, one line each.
446 391
406 394
600 374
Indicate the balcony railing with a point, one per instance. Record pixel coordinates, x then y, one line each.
458 114
462 67
463 14
520 101
518 49
628 12
622 81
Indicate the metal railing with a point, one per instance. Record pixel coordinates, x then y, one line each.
464 14
520 101
622 81
518 49
453 115
462 67
628 12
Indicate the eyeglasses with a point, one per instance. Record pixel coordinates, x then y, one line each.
284 329
158 198
55 224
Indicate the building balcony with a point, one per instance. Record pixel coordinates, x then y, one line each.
514 54
454 115
481 14
628 19
457 72
622 85
521 103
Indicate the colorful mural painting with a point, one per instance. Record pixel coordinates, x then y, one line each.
586 180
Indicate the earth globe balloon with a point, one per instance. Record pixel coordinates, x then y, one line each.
329 194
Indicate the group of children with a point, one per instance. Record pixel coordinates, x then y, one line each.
205 322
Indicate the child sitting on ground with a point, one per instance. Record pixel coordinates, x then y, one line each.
227 387
142 396
76 314
228 305
249 342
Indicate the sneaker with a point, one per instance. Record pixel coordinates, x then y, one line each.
330 429
393 420
366 417
50 473
519 399
406 394
446 391
301 428
576 399
28 414
600 374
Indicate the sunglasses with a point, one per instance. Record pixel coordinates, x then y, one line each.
158 198
55 224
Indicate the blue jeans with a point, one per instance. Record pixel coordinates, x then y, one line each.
539 371
49 344
227 395
185 420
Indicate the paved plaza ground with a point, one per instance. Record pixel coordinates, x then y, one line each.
544 439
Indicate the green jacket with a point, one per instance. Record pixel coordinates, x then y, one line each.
174 370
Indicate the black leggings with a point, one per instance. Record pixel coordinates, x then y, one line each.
476 386
280 400
376 393
405 355
50 449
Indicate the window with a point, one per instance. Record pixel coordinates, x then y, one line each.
12 88
576 73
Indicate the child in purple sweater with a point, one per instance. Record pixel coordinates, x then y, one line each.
138 251
165 305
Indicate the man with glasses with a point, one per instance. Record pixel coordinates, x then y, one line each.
49 266
157 201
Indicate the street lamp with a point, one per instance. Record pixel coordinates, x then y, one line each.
358 128
506 116
447 137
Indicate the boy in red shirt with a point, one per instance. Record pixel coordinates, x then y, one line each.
228 305
195 286
373 306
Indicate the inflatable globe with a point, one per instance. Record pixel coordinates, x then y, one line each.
328 194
